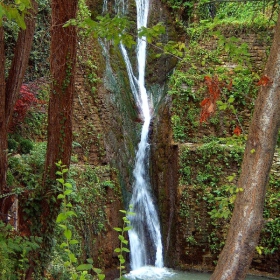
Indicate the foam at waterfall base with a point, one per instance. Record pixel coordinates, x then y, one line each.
149 273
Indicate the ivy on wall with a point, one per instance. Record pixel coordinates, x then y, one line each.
208 176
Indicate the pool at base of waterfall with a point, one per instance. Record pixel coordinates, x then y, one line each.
155 273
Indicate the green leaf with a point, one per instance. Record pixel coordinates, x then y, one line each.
90 260
72 258
117 229
73 241
61 196
85 266
62 245
68 234
70 213
231 99
63 226
97 270
61 217
117 250
127 228
60 180
67 192
68 185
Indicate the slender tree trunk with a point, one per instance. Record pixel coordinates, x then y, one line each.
8 95
247 219
20 61
3 126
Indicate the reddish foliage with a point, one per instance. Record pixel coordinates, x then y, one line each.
237 131
264 81
26 100
229 87
208 104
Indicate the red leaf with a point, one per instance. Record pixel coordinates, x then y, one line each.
264 81
204 102
229 87
237 131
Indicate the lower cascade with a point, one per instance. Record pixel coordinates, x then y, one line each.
145 236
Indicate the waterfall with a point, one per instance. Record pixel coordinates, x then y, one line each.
145 236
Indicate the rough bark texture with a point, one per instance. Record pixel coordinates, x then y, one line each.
63 61
247 219
3 126
20 61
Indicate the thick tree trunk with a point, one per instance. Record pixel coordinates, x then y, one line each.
59 147
63 61
20 61
247 219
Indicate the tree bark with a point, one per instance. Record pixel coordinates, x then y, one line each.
247 218
63 63
3 126
8 95
20 61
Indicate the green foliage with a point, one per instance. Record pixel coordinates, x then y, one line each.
151 33
39 55
15 11
123 249
12 145
26 146
14 250
108 28
208 181
188 87
76 271
245 13
223 198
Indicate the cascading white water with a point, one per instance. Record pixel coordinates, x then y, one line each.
145 236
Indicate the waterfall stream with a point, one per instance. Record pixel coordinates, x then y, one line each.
145 236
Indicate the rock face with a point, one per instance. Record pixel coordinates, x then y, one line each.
106 133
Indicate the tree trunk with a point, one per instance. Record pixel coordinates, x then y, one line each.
59 146
8 95
247 218
3 126
63 62
20 61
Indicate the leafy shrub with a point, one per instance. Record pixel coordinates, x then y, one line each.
26 146
13 253
12 145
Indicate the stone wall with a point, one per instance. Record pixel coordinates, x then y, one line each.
187 182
